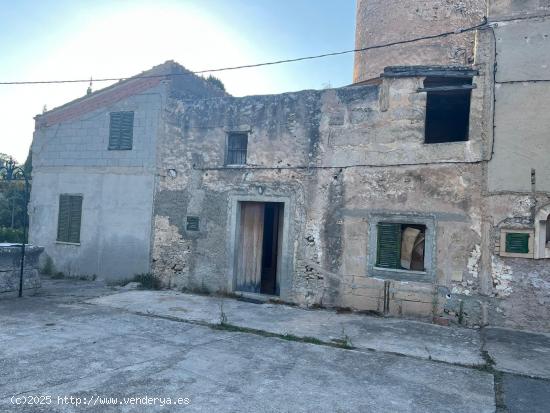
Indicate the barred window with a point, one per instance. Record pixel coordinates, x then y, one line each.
237 144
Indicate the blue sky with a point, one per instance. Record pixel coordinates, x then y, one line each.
42 40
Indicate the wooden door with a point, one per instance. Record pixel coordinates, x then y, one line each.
249 259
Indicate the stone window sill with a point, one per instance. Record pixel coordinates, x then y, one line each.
67 243
401 271
401 275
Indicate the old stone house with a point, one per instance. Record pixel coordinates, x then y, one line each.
421 190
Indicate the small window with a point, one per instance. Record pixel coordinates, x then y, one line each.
237 144
192 224
68 222
400 246
121 131
447 109
517 243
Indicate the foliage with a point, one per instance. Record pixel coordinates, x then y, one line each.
148 281
48 268
12 203
12 198
27 166
214 81
11 234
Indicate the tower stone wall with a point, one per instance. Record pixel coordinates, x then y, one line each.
386 21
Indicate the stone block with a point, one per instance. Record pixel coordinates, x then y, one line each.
10 256
362 303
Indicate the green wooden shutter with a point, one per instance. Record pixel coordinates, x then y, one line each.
63 218
517 242
114 130
126 130
75 218
121 130
388 253
68 222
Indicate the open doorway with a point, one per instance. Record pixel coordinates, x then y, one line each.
259 247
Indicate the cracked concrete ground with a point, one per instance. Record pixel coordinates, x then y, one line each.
67 342
373 333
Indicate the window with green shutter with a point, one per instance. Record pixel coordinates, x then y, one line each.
400 246
69 218
192 223
388 254
517 242
121 131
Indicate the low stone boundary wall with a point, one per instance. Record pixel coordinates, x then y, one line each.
10 266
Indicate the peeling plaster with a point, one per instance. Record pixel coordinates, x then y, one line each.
473 261
502 277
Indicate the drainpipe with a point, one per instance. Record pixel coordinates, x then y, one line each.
533 195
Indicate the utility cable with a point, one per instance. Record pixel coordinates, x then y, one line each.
270 63
484 25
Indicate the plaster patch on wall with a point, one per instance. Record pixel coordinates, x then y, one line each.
473 261
502 277
541 288
476 223
460 289
170 263
522 207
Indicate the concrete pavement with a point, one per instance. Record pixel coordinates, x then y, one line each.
519 352
428 341
86 340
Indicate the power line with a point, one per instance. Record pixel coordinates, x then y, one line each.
484 25
271 63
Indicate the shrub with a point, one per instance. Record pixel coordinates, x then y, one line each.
11 235
214 81
48 268
148 281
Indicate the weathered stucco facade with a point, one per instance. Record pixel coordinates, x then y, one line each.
322 174
518 174
343 160
340 160
381 22
71 155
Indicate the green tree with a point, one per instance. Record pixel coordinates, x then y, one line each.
214 81
12 206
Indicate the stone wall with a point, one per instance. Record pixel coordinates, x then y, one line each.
10 269
520 286
497 290
341 159
386 21
71 156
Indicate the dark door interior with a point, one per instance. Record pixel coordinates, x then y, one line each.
259 247
270 249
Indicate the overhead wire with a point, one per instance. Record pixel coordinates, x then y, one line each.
483 25
270 63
